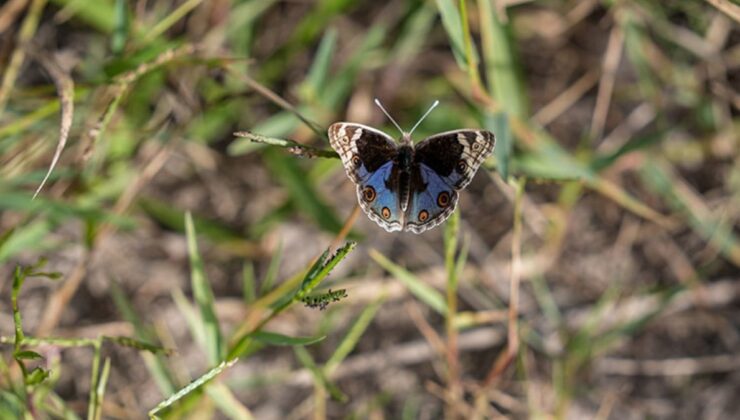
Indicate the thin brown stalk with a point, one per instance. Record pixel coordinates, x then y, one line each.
342 235
612 58
431 336
685 366
512 347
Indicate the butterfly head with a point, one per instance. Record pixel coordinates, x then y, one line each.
406 136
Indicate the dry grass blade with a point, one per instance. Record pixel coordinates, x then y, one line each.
731 9
685 366
512 347
65 89
9 12
28 29
606 86
278 100
566 99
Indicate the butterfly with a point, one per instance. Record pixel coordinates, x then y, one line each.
402 186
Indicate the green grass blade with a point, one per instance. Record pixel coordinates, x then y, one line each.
100 390
498 123
26 237
272 270
276 339
318 374
304 195
227 402
453 25
155 363
350 340
192 387
101 15
501 63
315 81
191 317
121 28
249 286
341 86
173 218
716 231
321 269
424 293
204 297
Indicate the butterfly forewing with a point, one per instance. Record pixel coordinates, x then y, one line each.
443 164
456 155
368 156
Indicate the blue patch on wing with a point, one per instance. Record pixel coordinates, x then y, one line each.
384 198
452 180
425 210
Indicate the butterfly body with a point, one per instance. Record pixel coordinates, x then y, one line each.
402 186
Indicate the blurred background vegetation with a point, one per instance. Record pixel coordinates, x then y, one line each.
171 267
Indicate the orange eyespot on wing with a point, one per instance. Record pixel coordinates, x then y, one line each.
368 194
443 199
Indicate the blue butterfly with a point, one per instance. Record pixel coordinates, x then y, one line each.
405 186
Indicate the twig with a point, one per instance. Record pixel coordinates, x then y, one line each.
292 146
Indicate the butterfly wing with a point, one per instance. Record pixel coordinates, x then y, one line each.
368 157
443 164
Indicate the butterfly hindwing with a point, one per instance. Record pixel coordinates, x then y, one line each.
368 158
378 198
432 200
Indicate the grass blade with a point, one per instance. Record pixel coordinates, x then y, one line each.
193 386
276 339
419 289
349 342
204 297
501 62
318 375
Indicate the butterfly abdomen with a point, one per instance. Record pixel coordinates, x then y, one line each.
404 162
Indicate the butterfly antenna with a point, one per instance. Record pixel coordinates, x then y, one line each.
377 102
434 105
